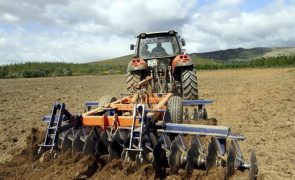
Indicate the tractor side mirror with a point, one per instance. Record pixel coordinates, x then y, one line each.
182 42
171 32
132 47
142 35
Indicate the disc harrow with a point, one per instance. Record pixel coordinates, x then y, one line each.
139 127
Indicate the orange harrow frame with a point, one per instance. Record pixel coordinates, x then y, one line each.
125 106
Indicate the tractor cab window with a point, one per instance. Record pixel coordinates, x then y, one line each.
154 47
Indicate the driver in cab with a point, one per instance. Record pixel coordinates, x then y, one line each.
159 50
145 52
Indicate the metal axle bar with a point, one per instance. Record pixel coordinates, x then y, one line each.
220 131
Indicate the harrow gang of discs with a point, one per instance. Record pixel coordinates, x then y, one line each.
146 127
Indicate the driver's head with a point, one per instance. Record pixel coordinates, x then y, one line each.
159 44
145 46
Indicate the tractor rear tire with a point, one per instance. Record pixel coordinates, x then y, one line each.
133 78
176 109
189 84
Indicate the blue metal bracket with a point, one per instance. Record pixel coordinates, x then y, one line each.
91 104
196 102
48 118
110 111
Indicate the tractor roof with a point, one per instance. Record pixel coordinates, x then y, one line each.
171 32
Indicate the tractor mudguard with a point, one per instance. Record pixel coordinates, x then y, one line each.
137 64
180 61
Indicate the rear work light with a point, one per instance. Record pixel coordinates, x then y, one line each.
135 60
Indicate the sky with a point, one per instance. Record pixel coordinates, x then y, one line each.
82 31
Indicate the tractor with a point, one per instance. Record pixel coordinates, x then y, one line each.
161 56
147 125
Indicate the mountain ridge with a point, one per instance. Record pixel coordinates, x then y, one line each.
243 54
220 56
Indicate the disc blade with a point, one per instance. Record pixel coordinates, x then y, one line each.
148 143
211 156
115 147
194 156
216 143
90 141
66 143
220 148
160 160
231 160
174 159
102 144
78 144
253 172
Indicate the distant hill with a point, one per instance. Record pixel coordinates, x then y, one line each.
123 60
241 54
219 57
227 59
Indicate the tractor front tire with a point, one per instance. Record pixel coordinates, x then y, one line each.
176 109
189 84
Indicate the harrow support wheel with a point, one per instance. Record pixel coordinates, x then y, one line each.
189 84
106 99
176 109
253 166
231 160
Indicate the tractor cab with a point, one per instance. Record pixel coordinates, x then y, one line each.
158 45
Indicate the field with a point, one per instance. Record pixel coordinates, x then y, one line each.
258 103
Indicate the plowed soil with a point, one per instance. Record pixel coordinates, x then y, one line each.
258 103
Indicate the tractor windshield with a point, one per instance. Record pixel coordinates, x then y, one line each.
154 47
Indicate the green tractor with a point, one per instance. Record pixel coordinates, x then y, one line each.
161 56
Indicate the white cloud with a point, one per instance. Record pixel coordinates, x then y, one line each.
9 18
63 47
80 31
226 26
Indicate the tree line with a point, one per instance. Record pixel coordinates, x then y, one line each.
49 69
